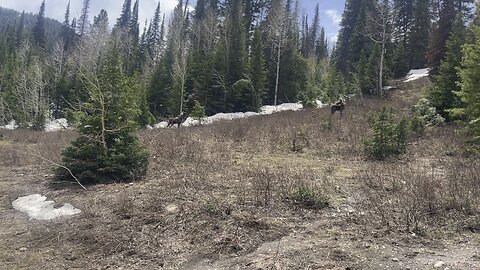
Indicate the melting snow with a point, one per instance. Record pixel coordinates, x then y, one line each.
416 74
37 207
56 125
11 126
265 110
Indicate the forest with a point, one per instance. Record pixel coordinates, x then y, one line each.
229 56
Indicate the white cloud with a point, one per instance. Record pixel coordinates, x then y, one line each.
333 15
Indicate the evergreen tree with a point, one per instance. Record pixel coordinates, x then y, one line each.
38 31
124 20
258 72
419 36
322 45
20 30
237 52
372 70
441 94
342 54
83 23
400 62
67 34
106 150
469 91
437 47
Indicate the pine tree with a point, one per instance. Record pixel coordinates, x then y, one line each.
361 79
38 31
419 36
258 72
441 94
237 52
106 151
400 62
469 91
83 21
342 54
322 46
20 30
372 71
124 19
448 13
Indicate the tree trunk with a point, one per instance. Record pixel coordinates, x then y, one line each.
278 71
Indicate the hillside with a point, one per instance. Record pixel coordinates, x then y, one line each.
233 195
10 18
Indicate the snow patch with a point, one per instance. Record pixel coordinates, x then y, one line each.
56 125
416 74
10 126
37 207
265 110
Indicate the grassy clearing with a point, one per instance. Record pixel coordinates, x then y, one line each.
226 190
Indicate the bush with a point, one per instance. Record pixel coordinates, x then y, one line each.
124 159
389 137
427 113
106 150
308 198
300 141
198 112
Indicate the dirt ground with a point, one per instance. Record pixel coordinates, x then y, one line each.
226 196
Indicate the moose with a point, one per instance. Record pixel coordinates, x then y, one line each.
177 121
339 106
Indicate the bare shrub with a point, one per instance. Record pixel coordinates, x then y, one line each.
411 198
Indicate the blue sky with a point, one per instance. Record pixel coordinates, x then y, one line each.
331 10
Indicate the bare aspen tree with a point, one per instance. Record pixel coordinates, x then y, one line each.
30 87
277 19
380 31
180 49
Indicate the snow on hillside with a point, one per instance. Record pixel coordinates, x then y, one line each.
50 125
62 124
265 110
56 125
416 74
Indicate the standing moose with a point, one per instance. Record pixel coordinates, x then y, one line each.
177 121
339 106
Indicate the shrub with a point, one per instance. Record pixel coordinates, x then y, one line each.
308 198
300 141
389 137
198 112
106 150
427 113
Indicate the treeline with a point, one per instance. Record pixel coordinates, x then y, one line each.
387 38
230 55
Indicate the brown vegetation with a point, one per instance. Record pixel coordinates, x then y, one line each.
234 194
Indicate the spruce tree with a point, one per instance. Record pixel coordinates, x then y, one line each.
469 92
400 61
38 31
83 21
106 150
419 36
258 73
441 94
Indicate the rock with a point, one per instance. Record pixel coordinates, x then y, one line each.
23 249
439 264
395 259
171 209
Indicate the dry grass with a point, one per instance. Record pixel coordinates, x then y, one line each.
221 191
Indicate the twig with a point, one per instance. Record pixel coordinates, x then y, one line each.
55 164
